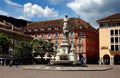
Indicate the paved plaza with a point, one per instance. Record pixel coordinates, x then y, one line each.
21 72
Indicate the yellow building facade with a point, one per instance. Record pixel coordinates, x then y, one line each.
109 39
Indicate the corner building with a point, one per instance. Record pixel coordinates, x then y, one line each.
109 37
81 34
16 36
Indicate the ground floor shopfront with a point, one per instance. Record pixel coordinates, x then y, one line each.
110 59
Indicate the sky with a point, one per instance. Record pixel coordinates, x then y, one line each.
39 10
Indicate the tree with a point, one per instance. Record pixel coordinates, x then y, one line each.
22 52
4 44
40 47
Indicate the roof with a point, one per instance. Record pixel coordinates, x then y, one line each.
111 17
73 23
16 31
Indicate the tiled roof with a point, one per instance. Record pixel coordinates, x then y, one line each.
111 17
73 23
17 31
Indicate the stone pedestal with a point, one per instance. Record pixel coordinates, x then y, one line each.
63 50
65 55
72 56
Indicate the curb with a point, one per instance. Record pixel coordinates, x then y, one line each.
48 68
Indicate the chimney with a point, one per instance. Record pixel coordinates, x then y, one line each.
12 27
4 21
28 23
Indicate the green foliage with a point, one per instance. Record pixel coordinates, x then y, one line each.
22 50
4 44
40 46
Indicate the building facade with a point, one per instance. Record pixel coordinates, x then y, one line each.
81 34
15 35
109 37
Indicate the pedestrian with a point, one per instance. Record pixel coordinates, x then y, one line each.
82 60
11 62
1 62
16 63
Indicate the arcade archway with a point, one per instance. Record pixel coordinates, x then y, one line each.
117 59
106 59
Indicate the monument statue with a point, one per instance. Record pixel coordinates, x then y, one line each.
64 48
65 28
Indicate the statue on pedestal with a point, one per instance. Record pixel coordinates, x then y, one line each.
65 28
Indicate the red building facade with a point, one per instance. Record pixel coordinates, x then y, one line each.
81 34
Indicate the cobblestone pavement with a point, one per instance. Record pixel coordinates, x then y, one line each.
19 72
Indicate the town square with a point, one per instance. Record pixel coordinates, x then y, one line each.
42 38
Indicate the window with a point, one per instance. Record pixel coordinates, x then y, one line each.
116 32
105 25
49 28
119 31
114 24
36 30
71 34
80 49
109 24
101 25
116 39
112 47
119 39
112 32
56 28
118 24
82 33
56 34
42 35
112 40
80 40
56 41
116 47
49 34
36 35
42 29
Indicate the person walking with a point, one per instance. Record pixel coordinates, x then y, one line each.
82 61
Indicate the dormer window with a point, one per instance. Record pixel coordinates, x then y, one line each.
49 28
36 30
56 28
42 29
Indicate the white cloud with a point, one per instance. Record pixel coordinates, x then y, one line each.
3 12
23 17
36 10
12 3
55 1
92 10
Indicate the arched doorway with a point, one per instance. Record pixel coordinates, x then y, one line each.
106 59
117 59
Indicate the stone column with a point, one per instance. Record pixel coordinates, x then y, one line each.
111 61
101 61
